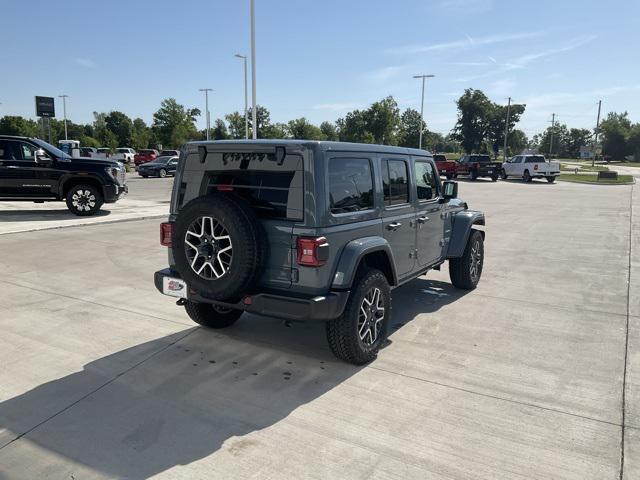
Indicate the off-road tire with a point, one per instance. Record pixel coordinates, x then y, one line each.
526 177
246 236
78 195
211 316
551 179
342 332
460 268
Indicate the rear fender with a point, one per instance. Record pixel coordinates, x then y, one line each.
462 222
352 255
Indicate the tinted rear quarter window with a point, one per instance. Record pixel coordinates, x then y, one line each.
350 185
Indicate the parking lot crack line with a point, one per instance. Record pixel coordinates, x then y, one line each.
626 340
71 297
108 382
495 397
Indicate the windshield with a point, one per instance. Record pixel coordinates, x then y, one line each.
51 149
481 158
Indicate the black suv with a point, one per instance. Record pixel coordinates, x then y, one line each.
33 170
308 231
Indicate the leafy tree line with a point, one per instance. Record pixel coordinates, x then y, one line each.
479 129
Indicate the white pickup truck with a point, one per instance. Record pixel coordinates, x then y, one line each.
123 154
529 167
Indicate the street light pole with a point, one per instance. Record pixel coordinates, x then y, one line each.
253 70
506 129
553 127
206 107
423 77
64 110
246 99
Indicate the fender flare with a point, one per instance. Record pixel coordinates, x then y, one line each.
65 179
353 253
462 222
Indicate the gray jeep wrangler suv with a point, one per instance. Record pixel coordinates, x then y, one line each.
306 230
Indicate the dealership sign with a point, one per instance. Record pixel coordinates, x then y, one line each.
45 107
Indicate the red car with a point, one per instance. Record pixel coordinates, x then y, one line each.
145 156
446 168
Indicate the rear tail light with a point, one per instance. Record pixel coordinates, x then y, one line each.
312 251
166 234
224 188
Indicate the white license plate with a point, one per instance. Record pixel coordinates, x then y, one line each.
174 287
489 171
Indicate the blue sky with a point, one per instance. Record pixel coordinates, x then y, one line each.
320 59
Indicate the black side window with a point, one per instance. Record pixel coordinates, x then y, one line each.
350 185
14 150
426 182
5 154
395 178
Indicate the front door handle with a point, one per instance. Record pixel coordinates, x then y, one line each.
423 219
394 226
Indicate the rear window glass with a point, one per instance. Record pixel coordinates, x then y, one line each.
395 177
145 152
273 188
480 158
439 158
350 185
534 159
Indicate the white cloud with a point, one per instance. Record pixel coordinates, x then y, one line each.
85 62
385 73
466 43
502 87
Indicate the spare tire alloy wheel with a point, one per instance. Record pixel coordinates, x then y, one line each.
208 248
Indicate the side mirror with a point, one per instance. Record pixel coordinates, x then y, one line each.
449 190
42 158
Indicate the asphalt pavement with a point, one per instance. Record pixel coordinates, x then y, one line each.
528 376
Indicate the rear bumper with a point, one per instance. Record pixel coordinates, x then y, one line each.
113 192
318 308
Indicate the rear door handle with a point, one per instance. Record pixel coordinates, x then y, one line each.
394 226
423 219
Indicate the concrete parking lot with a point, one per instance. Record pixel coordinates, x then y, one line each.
529 376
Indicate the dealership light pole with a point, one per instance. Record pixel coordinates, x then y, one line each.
595 141
206 107
246 100
253 70
423 77
553 127
64 110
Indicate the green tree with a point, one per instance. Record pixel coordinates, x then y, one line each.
301 128
633 142
219 131
263 120
121 126
518 142
105 136
276 130
383 121
16 125
329 131
471 129
173 124
353 128
615 130
410 124
236 124
140 134
576 138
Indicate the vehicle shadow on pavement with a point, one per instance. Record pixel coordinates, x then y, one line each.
161 404
44 215
421 295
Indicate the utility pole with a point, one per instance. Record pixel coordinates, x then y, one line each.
246 98
206 107
253 70
506 129
423 77
64 109
553 127
595 142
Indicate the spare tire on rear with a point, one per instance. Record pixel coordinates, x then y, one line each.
219 246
